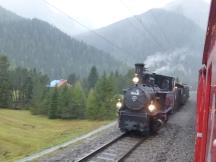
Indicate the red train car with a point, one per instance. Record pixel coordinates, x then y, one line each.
205 147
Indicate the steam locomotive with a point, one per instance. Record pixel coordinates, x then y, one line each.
146 104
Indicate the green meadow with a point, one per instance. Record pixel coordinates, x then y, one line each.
22 134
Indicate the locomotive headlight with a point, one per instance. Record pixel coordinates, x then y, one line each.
151 107
135 80
118 104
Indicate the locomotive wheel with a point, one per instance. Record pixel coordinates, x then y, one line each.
172 111
154 127
153 130
156 124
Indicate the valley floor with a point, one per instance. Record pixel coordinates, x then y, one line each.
22 134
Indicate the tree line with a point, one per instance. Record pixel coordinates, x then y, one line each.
93 97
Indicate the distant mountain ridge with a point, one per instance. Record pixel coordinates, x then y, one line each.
7 16
36 44
40 9
159 31
196 10
159 34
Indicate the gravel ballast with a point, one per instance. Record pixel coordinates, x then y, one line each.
173 143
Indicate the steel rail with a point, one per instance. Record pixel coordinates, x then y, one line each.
128 153
100 149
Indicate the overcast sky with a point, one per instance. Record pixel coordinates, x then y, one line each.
97 13
92 13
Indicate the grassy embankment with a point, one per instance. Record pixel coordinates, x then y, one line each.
22 133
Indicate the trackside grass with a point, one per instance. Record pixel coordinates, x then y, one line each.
22 134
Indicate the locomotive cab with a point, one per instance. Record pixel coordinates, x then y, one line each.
164 87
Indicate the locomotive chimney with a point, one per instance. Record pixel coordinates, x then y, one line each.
139 69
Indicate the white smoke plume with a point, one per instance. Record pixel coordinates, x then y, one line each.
174 63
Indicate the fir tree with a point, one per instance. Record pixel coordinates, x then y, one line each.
92 106
65 109
92 78
28 90
105 93
41 95
5 90
78 101
52 113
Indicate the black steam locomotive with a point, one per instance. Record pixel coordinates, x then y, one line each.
146 104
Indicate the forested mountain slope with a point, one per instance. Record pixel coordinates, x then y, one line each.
36 44
6 16
154 31
166 41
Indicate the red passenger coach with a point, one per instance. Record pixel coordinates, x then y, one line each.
205 148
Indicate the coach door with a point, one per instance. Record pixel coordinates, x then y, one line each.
211 136
211 133
199 155
211 118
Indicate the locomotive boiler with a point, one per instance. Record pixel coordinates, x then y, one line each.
148 101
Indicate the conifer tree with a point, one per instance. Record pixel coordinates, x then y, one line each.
92 78
28 90
52 113
65 109
38 92
105 93
45 101
5 90
78 101
92 106
41 95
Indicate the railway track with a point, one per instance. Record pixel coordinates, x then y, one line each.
116 150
